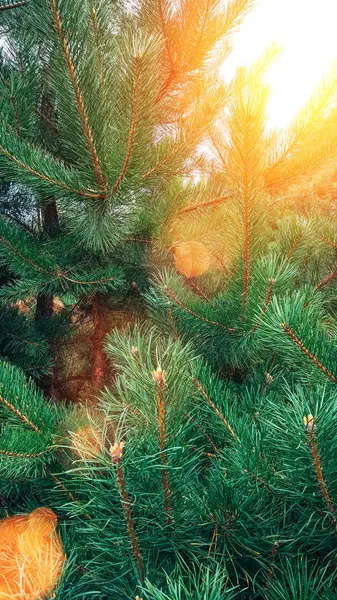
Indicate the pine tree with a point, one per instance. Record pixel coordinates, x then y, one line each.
206 469
98 120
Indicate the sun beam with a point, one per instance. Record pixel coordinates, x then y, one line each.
306 33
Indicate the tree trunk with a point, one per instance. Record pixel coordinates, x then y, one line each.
99 361
45 302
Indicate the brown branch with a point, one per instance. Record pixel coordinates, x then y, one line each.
176 300
192 284
95 282
129 521
26 260
160 384
203 431
165 160
329 242
319 469
116 454
16 115
48 120
173 325
265 304
326 280
23 455
22 69
201 205
223 160
100 178
132 129
19 414
93 17
292 250
59 184
165 34
287 329
67 492
212 405
13 5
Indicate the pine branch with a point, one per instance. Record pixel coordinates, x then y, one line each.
203 431
67 492
212 405
159 378
13 5
116 452
246 242
292 250
202 205
59 184
133 126
265 304
100 178
287 329
16 115
311 431
93 17
326 280
176 300
23 455
165 160
19 414
23 258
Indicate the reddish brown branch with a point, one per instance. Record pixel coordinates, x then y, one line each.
23 258
93 17
311 435
132 129
212 405
176 300
67 492
287 329
59 184
265 304
201 205
22 69
100 178
16 116
23 455
13 5
192 284
326 280
19 414
165 160
203 431
129 521
160 382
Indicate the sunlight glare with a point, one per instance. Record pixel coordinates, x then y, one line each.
306 33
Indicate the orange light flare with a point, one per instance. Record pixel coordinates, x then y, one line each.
31 556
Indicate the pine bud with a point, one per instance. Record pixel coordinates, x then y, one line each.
269 378
309 422
159 376
134 351
116 452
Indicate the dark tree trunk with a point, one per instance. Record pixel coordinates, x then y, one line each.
45 302
99 361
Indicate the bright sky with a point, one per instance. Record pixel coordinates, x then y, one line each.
306 30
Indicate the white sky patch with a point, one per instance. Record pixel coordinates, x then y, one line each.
306 31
